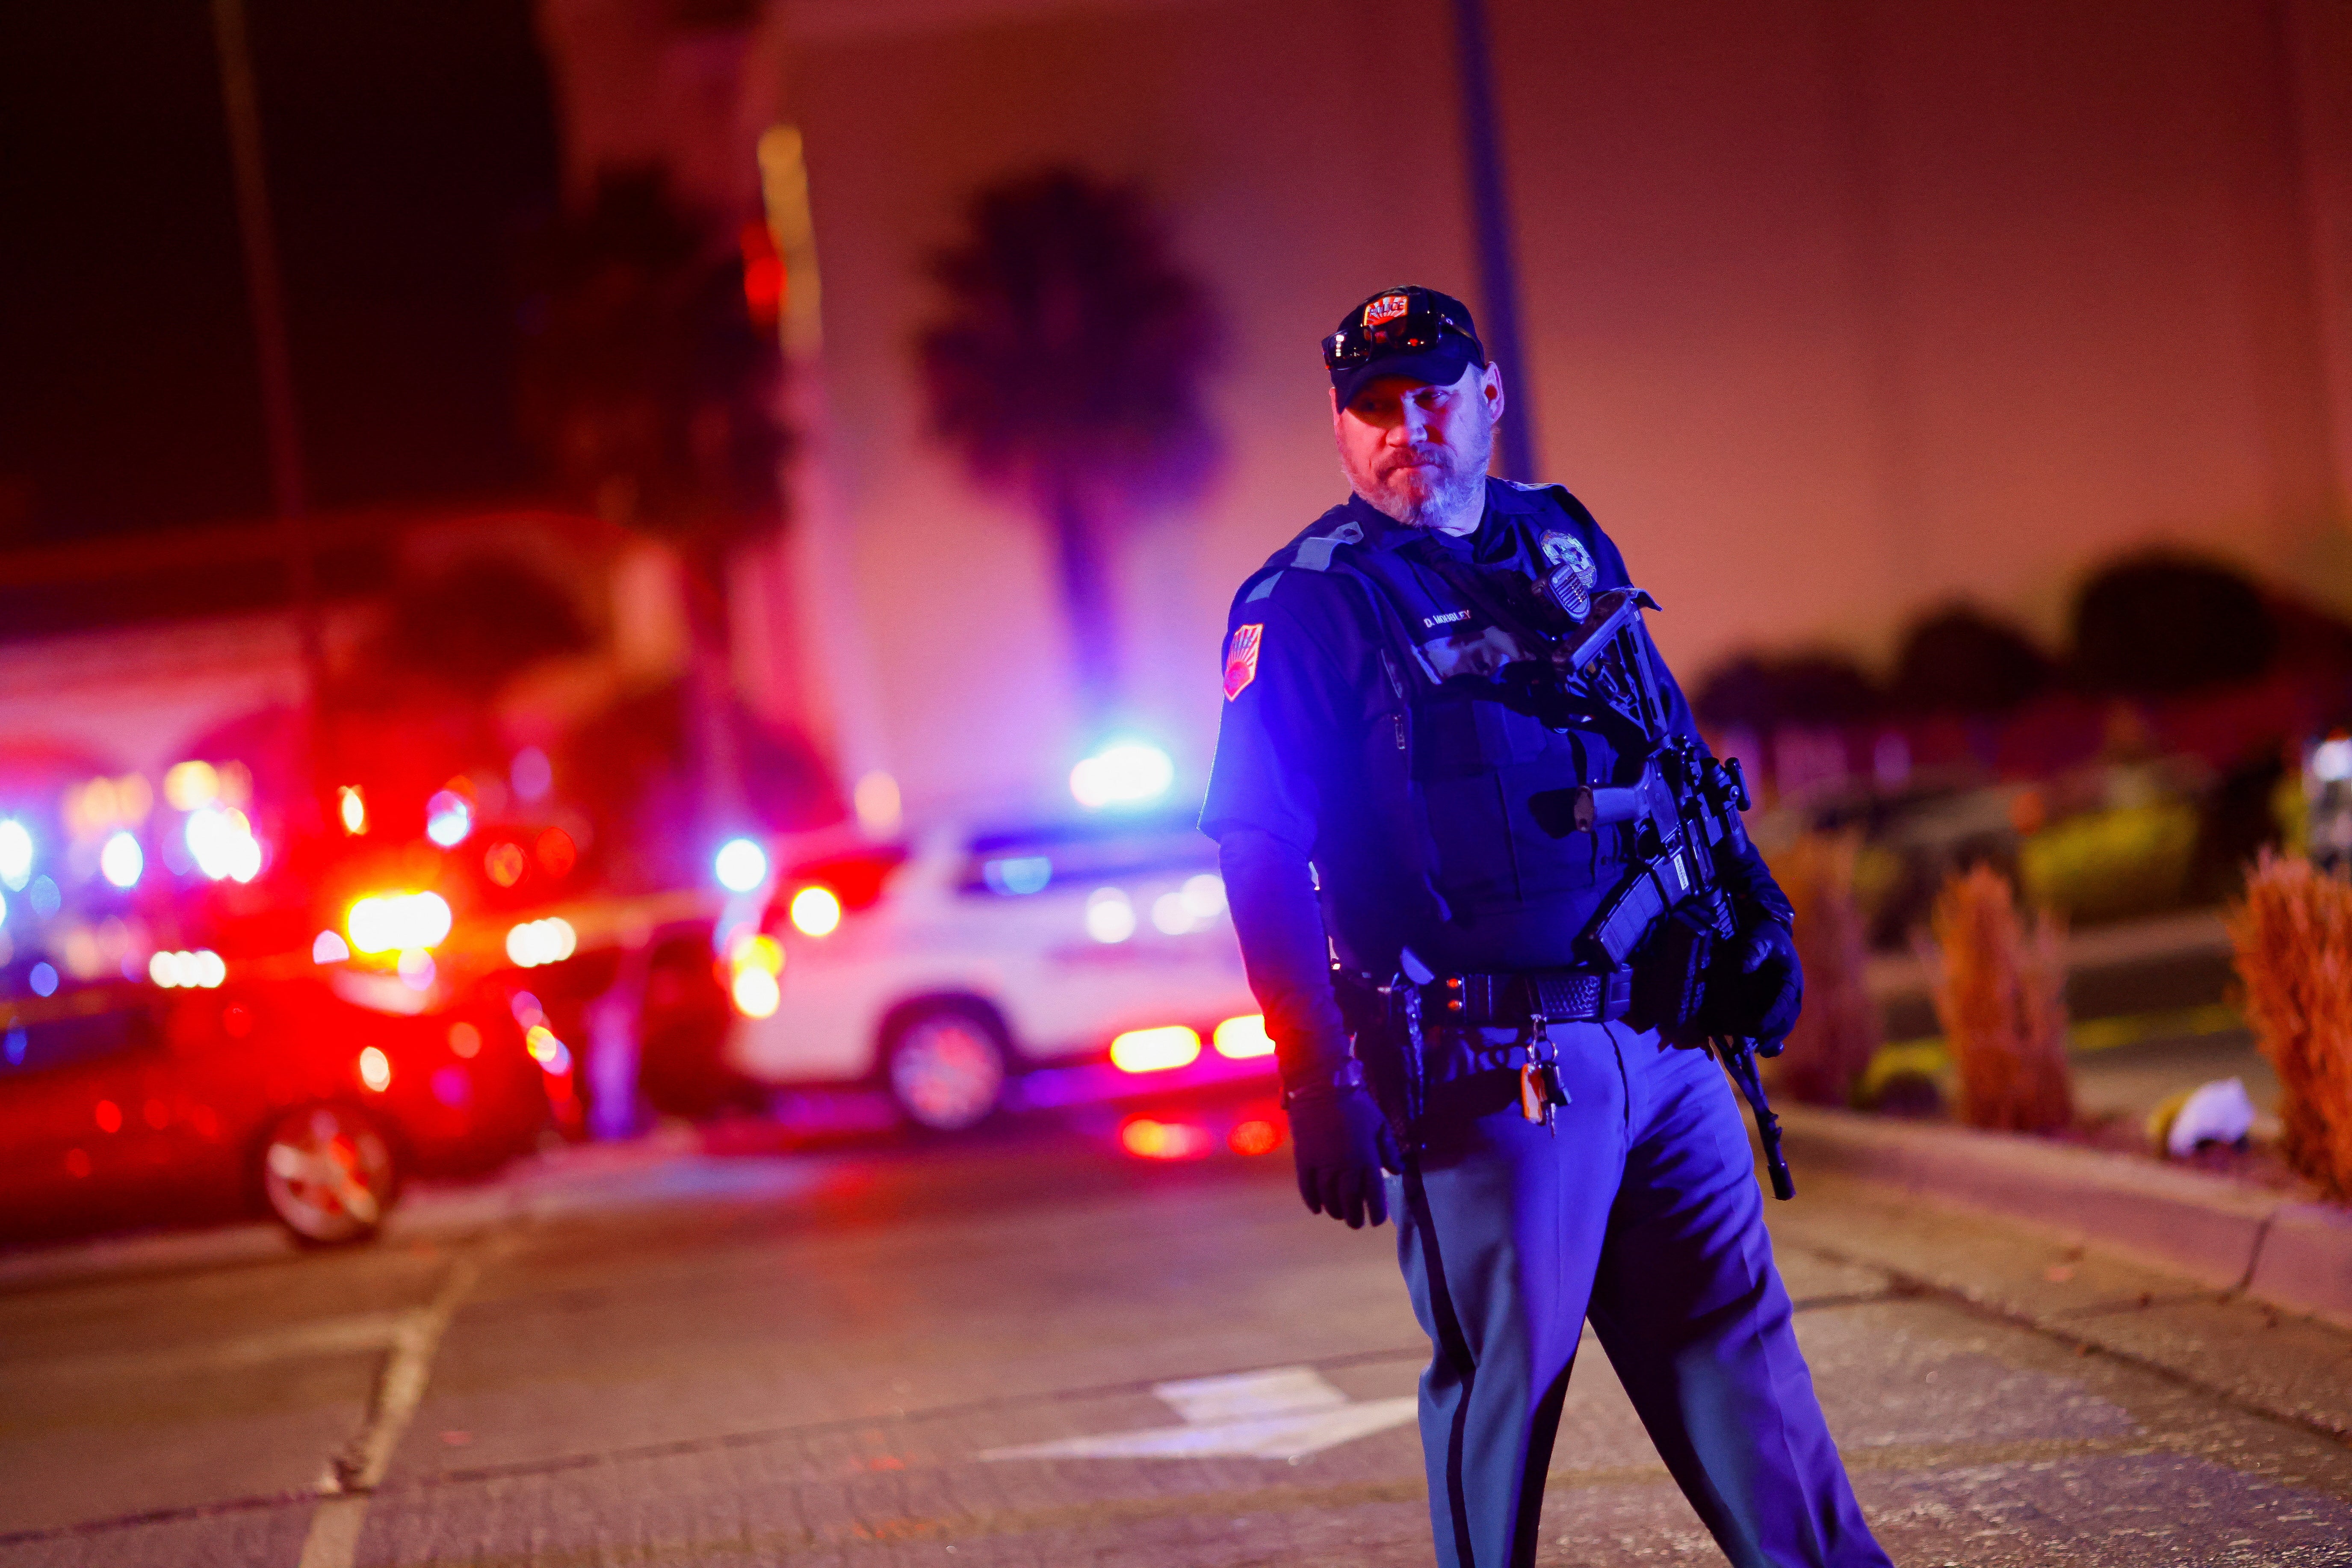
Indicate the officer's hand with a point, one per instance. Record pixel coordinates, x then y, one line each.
1759 990
1342 1141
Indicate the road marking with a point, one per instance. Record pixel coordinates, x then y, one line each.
353 1475
334 1537
1283 1413
357 1333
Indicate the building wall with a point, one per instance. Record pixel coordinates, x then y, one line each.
1835 310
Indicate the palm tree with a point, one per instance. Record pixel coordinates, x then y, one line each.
1066 370
650 391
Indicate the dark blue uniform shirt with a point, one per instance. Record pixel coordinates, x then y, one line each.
1379 720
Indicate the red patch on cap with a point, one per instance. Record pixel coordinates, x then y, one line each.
1387 308
1241 659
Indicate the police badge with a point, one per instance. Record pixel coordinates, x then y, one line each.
1571 582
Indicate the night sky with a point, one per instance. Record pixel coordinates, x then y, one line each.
410 142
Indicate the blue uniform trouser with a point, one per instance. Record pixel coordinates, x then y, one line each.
1642 1212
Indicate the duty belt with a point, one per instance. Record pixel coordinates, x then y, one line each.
1559 996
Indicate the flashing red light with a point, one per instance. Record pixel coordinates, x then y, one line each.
1147 1139
1155 1050
503 863
1255 1137
557 853
763 274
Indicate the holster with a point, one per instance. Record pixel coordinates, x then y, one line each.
1386 1024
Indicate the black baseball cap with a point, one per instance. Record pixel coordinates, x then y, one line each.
1411 331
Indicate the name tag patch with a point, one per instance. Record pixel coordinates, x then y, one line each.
1241 659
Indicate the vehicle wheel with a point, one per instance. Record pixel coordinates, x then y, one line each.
328 1175
946 1064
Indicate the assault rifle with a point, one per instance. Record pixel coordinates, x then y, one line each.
1672 907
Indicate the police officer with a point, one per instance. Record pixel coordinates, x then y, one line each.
1394 800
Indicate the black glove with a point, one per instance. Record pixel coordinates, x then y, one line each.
1342 1141
1756 985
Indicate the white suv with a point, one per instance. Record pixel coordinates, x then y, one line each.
947 969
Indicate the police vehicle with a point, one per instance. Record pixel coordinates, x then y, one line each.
977 964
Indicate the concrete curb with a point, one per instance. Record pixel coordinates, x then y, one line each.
2230 1236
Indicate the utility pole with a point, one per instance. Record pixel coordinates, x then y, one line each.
265 297
1490 220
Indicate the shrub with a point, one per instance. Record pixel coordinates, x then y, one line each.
2113 864
1962 660
1999 994
2294 940
2159 624
1837 1033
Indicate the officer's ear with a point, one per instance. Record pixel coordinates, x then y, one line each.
1490 390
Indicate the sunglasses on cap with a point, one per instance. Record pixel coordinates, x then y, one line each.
1404 324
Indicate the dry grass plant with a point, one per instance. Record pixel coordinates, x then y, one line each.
2294 940
2001 994
1837 1033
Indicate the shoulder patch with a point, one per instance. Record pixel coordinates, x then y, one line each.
1241 658
1315 554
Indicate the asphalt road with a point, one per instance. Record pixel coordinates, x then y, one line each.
1036 1349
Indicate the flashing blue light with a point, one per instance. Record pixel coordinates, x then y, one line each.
16 853
1127 772
1018 877
741 864
448 817
43 979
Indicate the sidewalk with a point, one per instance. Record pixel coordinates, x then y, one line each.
2283 1248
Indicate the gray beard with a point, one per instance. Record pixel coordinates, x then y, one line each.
1461 493
1460 496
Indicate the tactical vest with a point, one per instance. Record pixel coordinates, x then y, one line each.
1463 844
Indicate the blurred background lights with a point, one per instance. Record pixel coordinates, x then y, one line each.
1204 896
1017 876
4 911
1255 1135
548 1051
122 860
416 969
352 806
530 773
1131 773
189 785
389 923
1155 1050
448 817
534 943
16 853
2331 761
1110 916
756 959
44 897
221 840
43 978
504 863
755 992
741 864
328 947
200 970
375 1068
1243 1038
815 911
1149 1138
